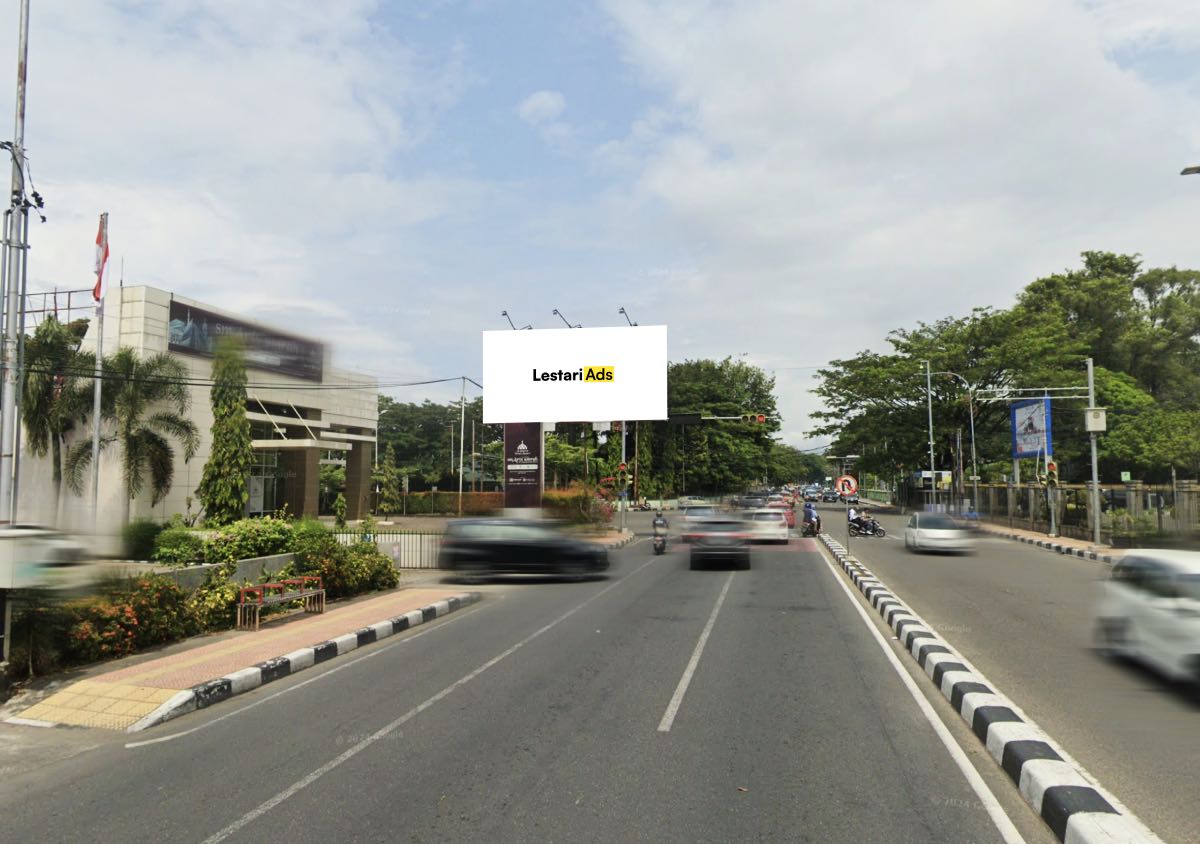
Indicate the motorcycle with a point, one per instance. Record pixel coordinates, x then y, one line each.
870 528
660 543
811 528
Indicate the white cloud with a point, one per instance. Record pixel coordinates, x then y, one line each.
541 107
247 153
839 170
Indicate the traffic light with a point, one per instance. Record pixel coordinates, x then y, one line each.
1051 473
622 476
754 418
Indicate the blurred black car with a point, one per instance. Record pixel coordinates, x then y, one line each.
830 495
474 548
718 540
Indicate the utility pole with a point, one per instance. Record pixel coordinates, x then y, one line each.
16 230
932 468
1095 463
462 424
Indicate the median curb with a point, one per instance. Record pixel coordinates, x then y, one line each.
1075 807
1051 545
238 682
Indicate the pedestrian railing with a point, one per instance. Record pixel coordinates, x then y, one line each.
408 549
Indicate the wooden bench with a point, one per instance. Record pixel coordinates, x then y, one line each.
251 599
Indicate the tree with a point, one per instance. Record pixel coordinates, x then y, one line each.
57 394
145 401
387 477
223 487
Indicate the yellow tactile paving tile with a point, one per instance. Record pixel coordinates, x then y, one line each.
92 703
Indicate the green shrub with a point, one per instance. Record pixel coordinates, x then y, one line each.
214 605
258 537
379 571
312 542
178 546
160 611
138 538
339 510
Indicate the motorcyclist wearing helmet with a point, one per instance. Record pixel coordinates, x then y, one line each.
660 523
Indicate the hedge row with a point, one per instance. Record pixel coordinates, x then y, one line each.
127 615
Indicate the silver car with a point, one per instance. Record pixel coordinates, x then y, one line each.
937 532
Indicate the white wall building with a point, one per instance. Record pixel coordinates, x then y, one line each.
302 411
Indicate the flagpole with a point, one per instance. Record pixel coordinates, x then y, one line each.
101 290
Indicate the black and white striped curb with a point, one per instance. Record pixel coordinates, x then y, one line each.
1075 807
247 679
1057 547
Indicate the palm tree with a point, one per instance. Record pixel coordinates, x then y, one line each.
57 392
146 400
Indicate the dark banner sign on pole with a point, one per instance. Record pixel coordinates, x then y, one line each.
194 331
522 465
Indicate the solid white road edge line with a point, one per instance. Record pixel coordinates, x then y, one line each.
668 718
315 678
991 804
383 732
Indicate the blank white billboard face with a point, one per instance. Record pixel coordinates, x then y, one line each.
575 374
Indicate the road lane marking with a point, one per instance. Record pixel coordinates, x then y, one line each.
316 678
991 804
383 732
664 726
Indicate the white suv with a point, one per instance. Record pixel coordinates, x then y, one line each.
1149 609
768 525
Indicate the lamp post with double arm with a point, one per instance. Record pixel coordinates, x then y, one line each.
974 466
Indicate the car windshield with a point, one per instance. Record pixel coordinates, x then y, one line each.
936 521
1189 586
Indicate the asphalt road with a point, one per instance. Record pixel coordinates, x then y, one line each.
1022 615
556 711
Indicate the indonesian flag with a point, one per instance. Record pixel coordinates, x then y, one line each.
101 259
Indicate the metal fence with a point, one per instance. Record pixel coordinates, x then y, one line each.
1130 514
408 550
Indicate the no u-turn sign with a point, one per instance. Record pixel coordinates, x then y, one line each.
846 485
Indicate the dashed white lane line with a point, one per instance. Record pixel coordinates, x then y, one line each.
664 726
383 732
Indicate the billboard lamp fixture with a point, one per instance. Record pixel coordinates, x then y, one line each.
510 322
558 313
627 319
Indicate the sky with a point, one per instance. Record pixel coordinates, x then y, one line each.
778 181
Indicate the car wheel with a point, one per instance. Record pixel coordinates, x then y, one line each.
472 573
1111 634
693 563
574 571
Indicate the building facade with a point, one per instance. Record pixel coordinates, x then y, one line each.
303 413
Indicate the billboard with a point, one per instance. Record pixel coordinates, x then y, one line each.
575 374
194 331
1031 434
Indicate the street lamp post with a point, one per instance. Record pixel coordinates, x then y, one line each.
932 468
974 465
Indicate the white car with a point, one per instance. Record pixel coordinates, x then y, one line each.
685 501
937 532
1149 609
767 525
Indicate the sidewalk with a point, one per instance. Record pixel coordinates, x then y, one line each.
134 693
1060 544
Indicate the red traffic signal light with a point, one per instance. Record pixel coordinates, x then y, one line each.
621 467
1051 466
760 419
